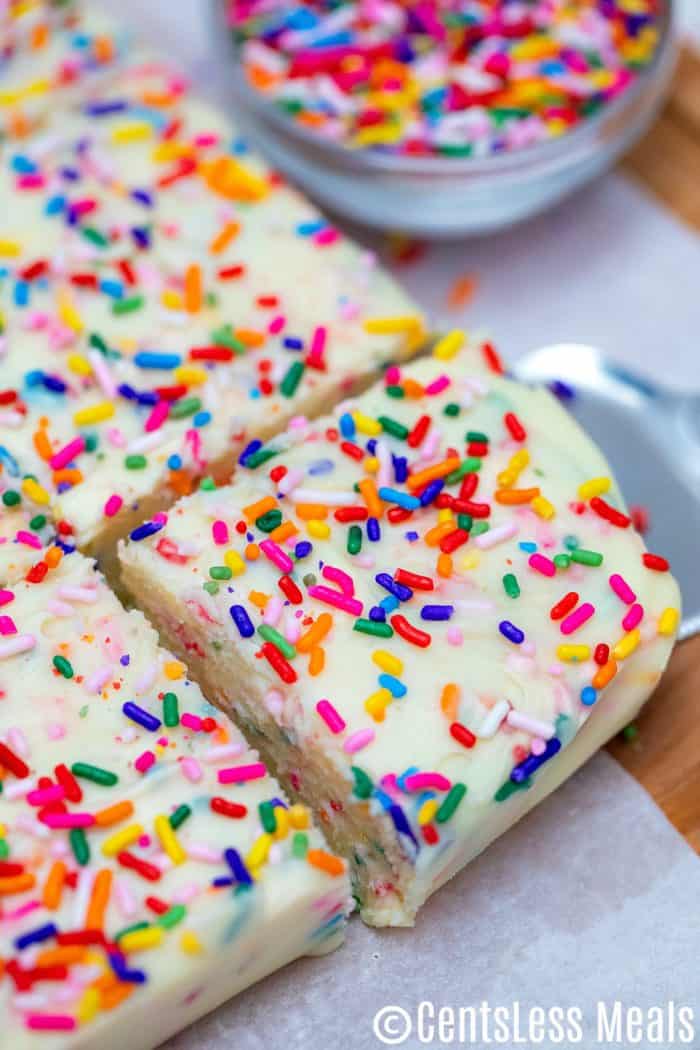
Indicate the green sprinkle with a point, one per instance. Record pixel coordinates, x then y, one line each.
261 456
134 928
393 427
570 542
451 409
354 545
477 436
511 585
467 466
127 306
561 561
224 337
179 816
91 442
171 710
374 627
292 378
220 572
207 485
11 498
4 849
584 557
172 916
94 236
267 817
63 666
300 845
394 391
37 523
630 732
465 521
79 845
363 786
135 462
480 527
270 521
450 802
94 773
186 406
269 634
211 587
509 788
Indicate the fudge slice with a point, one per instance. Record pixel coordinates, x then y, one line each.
149 866
427 612
167 302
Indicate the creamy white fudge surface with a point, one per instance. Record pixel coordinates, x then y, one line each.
149 866
165 299
427 611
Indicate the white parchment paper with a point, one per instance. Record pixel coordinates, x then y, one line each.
593 898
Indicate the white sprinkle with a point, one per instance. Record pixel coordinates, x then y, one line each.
497 535
519 720
489 726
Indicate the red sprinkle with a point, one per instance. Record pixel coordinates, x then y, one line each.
462 735
567 603
492 359
655 562
601 654
413 580
290 590
347 514
13 762
604 510
417 435
224 808
278 663
410 633
141 867
71 788
516 429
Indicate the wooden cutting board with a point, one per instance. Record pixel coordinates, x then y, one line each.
664 756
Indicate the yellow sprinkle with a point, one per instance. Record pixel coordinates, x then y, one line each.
428 811
173 670
121 839
79 365
190 375
235 562
298 816
516 465
94 414
392 325
471 561
573 654
320 530
166 152
136 131
140 940
593 487
627 644
68 313
445 515
34 491
10 249
88 1006
542 507
370 465
668 621
449 345
377 703
169 840
388 662
171 299
282 822
190 943
366 425
259 851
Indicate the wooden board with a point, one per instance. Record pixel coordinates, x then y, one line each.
665 755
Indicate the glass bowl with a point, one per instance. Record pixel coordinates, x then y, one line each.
446 196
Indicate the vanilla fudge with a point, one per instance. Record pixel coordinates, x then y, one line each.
426 611
149 866
167 303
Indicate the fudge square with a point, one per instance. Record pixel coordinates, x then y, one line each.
165 299
427 611
149 866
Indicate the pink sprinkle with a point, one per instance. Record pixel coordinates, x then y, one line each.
420 781
577 618
113 505
314 358
158 416
30 181
50 1022
325 237
357 741
438 385
28 539
539 563
42 796
455 636
67 820
6 596
219 531
633 617
98 680
193 722
330 716
392 375
144 762
343 579
240 774
7 625
274 553
276 324
339 601
64 455
622 589
191 769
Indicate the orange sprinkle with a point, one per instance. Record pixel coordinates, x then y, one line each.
19 125
99 899
412 388
315 634
69 475
252 552
449 701
42 443
180 482
319 858
444 566
433 536
53 557
438 470
604 674
53 887
462 291
311 511
317 660
193 288
39 37
174 670
105 818
115 994
104 49
66 955
368 491
249 337
256 510
224 237
515 497
260 600
283 532
12 884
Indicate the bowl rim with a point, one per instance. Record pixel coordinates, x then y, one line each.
367 161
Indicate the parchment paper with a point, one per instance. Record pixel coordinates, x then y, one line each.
594 896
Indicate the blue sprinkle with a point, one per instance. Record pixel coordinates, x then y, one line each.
588 696
384 800
377 614
395 687
399 590
174 461
142 197
54 383
222 880
528 547
303 549
401 778
115 289
156 359
390 603
200 419
532 763
371 446
118 964
511 632
242 621
374 532
142 532
106 108
412 536
250 448
308 229
401 499
21 293
401 824
9 461
437 612
347 425
22 165
400 469
235 863
321 466
140 716
291 342
36 936
431 491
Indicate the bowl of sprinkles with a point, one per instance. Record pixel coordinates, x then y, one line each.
445 117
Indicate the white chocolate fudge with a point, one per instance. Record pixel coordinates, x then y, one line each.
167 302
426 611
149 866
